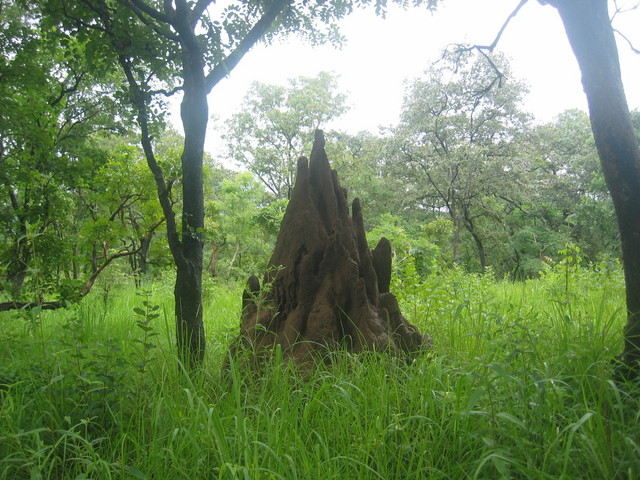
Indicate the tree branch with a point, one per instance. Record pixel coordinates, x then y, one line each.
124 204
483 49
122 253
225 66
166 93
142 6
140 14
200 7
6 306
629 43
73 88
494 44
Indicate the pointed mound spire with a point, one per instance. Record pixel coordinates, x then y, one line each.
324 287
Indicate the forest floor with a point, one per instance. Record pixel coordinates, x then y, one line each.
518 384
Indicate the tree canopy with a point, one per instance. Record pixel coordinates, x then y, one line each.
77 80
277 124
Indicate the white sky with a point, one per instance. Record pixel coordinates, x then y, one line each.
381 54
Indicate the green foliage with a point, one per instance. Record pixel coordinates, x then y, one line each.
105 207
517 385
458 135
277 125
145 315
572 197
242 223
416 250
53 111
367 168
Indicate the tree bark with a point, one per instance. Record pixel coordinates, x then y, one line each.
213 263
591 36
482 256
19 264
194 112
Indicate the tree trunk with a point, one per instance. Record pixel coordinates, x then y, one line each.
188 289
456 240
482 256
213 263
456 227
590 34
145 245
19 264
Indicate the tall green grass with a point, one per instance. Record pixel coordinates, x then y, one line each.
517 385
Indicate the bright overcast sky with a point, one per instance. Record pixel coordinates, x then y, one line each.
381 54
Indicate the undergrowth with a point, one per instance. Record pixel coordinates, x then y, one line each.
517 385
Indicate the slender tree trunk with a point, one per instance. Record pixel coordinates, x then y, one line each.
482 256
178 21
456 240
591 37
213 264
19 264
188 289
145 245
453 212
74 262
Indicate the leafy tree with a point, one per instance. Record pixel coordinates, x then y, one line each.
458 132
418 249
591 35
245 222
122 206
277 126
368 170
100 215
187 46
51 105
571 183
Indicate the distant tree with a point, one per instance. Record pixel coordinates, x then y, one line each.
458 132
369 171
245 221
570 183
277 124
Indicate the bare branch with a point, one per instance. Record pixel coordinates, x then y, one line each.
483 49
166 93
65 91
199 8
6 306
623 10
629 43
126 202
494 44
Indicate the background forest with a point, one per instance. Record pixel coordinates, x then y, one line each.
466 178
506 252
